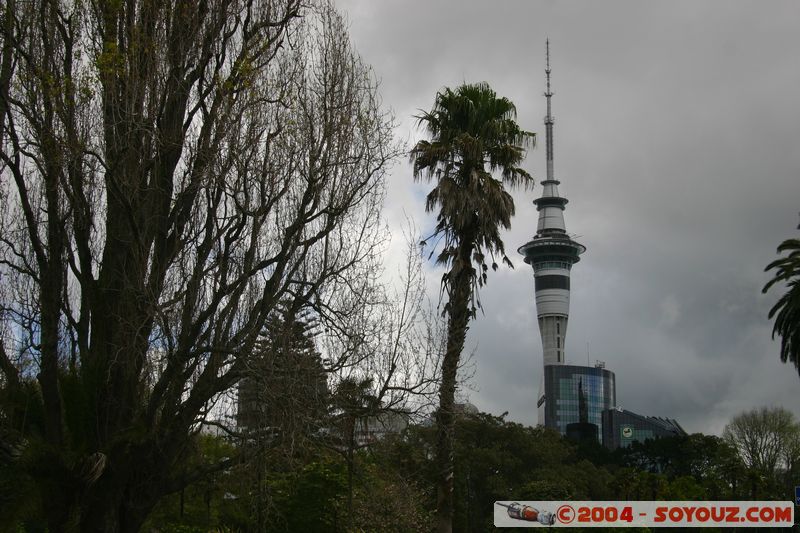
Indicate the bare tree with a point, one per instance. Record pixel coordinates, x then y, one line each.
397 376
173 170
406 341
765 439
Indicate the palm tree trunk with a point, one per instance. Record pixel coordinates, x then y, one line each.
459 313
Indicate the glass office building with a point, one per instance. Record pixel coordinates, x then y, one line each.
562 397
622 428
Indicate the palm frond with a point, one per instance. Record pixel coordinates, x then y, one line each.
473 153
786 310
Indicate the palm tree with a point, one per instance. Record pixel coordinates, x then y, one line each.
787 310
473 133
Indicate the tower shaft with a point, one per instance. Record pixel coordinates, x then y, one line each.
551 252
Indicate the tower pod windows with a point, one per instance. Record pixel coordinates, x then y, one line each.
552 264
551 282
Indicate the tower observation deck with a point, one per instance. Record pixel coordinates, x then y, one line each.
551 253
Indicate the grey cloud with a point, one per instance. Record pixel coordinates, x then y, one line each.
676 140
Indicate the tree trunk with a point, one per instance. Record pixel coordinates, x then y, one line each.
118 511
459 313
120 499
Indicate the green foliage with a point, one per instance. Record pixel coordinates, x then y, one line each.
712 465
314 500
284 392
394 485
201 505
386 502
497 460
110 62
25 454
684 488
709 460
20 505
500 460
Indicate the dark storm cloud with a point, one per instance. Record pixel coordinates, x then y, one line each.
676 140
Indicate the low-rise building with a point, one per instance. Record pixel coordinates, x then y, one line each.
621 428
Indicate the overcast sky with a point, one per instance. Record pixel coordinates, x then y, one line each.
677 142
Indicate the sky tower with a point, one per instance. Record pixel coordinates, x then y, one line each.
551 253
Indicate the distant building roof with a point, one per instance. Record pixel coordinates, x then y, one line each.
622 427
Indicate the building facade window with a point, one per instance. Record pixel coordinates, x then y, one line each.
561 389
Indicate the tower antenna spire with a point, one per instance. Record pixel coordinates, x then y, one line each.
548 120
547 66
